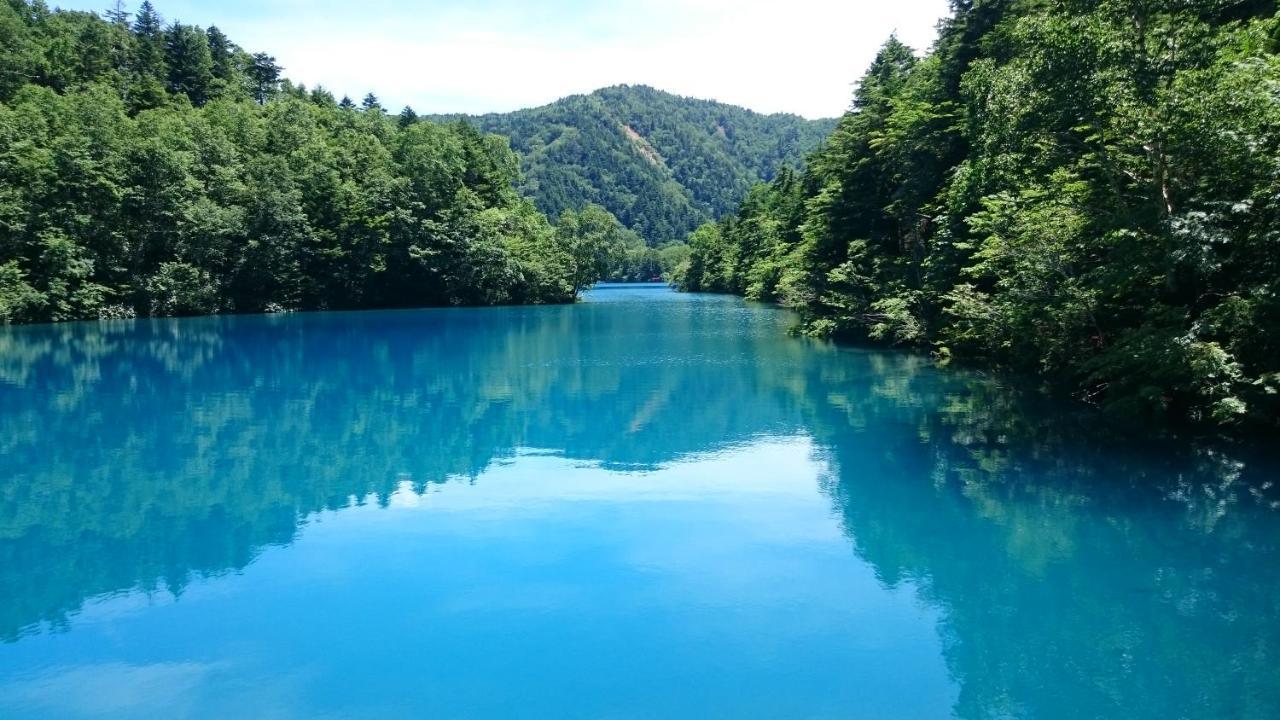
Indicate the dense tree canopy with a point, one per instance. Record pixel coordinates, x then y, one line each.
661 163
158 169
1086 190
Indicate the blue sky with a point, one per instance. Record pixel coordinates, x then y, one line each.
798 56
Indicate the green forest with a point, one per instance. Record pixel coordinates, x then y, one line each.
661 163
1083 191
151 168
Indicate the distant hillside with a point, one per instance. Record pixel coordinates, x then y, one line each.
663 164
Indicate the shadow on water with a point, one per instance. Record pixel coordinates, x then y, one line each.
1076 575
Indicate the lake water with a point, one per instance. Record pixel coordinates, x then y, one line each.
647 505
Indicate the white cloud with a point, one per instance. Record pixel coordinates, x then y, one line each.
799 56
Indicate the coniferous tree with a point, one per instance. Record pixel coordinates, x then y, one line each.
407 117
221 55
264 77
148 74
117 15
190 62
148 27
322 97
121 44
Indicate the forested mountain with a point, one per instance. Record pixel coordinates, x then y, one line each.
1085 190
156 168
661 163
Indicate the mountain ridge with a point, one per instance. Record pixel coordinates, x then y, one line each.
662 163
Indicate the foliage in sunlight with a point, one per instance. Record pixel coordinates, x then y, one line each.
1086 191
153 169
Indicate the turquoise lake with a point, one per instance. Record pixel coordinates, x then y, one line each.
645 505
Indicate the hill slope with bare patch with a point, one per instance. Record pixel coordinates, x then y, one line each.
663 164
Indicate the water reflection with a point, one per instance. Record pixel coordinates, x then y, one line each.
1072 575
1078 577
138 453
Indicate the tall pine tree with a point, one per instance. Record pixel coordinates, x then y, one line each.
148 75
264 77
190 62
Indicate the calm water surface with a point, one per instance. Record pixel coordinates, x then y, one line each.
648 505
